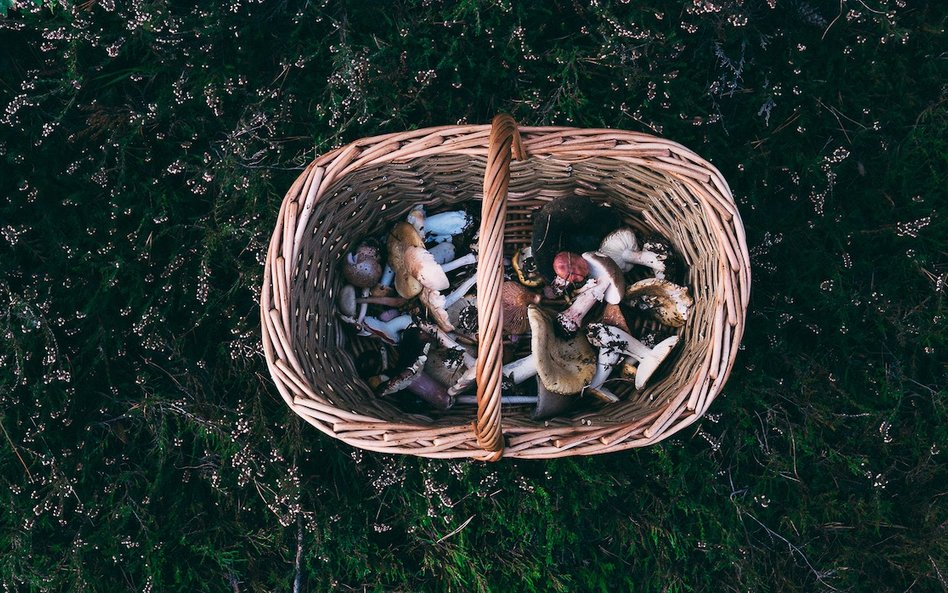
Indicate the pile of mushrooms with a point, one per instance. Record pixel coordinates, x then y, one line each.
413 293
567 300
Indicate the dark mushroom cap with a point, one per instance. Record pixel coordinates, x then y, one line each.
573 223
363 266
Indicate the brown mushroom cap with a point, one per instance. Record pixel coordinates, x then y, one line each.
612 315
402 237
665 301
516 299
564 366
362 267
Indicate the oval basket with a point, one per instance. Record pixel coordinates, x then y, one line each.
361 189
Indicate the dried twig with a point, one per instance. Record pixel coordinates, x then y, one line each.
16 452
456 531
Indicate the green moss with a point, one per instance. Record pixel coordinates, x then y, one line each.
144 152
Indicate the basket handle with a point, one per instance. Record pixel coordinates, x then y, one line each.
490 279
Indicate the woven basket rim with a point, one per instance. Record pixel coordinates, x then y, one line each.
571 144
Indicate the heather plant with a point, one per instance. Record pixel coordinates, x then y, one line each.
145 148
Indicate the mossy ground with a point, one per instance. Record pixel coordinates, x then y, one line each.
144 151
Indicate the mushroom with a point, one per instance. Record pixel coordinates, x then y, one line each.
351 309
422 266
434 301
459 292
384 287
446 365
525 267
612 315
416 218
443 226
466 260
346 303
564 366
665 301
447 341
516 299
551 404
608 358
388 314
388 330
443 253
403 237
521 369
410 375
512 400
611 337
462 314
572 223
622 246
362 267
569 269
437 304
606 283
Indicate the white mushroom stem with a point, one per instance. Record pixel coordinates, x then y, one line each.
459 292
604 393
390 331
607 360
460 262
504 399
388 276
591 293
520 370
364 307
611 337
465 381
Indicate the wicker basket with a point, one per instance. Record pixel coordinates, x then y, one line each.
362 188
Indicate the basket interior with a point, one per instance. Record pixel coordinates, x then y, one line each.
370 200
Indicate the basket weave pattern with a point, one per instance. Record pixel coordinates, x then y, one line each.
359 190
